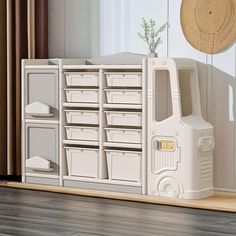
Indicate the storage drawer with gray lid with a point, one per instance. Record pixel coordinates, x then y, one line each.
41 94
41 148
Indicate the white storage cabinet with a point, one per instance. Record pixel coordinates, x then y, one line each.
76 108
40 122
119 124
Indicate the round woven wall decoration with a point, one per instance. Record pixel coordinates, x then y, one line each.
209 25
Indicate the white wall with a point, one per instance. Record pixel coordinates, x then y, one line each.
83 28
120 21
73 28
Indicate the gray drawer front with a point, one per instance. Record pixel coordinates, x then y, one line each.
42 86
44 181
103 187
42 140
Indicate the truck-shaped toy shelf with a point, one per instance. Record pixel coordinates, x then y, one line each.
121 128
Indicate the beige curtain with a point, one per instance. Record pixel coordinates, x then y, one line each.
20 20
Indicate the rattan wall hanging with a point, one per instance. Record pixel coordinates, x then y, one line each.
209 25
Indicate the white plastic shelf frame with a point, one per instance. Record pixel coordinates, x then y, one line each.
97 124
102 128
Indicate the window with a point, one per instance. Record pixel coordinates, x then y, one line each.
185 80
162 91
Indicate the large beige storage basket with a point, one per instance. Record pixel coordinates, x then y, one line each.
82 162
124 165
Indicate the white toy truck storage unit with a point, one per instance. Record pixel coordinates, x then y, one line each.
120 128
180 141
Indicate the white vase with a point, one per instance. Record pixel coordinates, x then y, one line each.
152 55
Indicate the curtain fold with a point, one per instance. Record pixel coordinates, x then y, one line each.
31 28
41 31
20 53
10 73
3 88
21 22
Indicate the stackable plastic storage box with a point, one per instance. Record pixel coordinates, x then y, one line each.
82 95
124 96
82 133
121 118
121 135
180 141
82 79
82 162
82 117
130 162
126 79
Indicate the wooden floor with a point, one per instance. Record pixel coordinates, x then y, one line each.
30 213
219 202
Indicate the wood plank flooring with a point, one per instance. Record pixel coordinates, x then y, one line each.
220 201
29 213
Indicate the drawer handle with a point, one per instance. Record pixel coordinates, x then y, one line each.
38 163
38 109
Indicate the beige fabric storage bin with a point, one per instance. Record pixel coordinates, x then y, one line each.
124 96
82 133
82 161
124 165
82 117
124 118
127 79
82 78
117 135
82 95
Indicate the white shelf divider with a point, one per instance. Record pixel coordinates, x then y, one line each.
102 158
62 157
123 106
74 104
80 142
123 145
144 127
97 67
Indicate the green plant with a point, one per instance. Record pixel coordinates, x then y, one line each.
150 34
